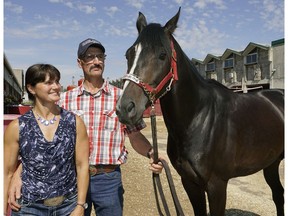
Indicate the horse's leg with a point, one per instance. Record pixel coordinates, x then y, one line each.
217 195
196 196
271 175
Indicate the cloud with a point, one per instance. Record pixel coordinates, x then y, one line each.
136 3
120 32
111 10
273 15
87 9
202 4
66 3
69 4
56 1
43 27
179 2
27 52
199 39
271 12
18 9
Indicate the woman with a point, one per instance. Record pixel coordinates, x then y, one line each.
53 147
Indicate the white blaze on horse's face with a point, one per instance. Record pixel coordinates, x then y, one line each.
138 49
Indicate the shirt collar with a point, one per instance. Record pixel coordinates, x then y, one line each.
105 88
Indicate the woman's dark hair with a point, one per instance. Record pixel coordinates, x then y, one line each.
37 73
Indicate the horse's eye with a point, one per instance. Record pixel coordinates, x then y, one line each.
162 56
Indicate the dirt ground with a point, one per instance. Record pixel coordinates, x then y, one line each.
246 196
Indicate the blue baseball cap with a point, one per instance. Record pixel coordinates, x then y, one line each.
84 45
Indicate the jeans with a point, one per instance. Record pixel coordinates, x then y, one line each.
37 209
106 194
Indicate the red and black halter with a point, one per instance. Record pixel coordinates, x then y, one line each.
170 77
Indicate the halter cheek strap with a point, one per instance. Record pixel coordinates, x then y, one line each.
171 76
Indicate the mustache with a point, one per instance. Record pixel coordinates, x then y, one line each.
96 66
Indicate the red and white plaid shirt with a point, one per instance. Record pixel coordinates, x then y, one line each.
106 134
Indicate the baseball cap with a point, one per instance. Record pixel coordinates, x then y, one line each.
84 45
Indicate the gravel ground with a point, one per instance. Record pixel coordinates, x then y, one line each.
247 196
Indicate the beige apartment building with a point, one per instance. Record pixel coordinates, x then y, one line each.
255 67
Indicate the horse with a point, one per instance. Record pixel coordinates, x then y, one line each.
214 134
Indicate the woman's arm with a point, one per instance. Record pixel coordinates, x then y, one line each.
82 164
11 152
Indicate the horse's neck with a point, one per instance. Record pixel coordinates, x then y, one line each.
186 97
190 85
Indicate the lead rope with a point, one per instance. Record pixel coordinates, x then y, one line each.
156 178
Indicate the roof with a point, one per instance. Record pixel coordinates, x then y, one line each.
278 42
252 46
196 61
228 52
209 57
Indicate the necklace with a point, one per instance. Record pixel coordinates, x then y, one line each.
45 121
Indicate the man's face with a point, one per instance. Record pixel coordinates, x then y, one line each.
93 62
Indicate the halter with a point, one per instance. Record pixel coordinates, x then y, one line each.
170 77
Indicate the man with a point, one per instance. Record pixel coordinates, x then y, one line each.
95 101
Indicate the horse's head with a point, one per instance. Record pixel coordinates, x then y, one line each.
151 68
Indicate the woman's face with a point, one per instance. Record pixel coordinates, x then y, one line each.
47 91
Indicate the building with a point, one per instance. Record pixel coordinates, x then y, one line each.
278 59
255 67
13 84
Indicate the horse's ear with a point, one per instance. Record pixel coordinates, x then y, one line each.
171 25
141 22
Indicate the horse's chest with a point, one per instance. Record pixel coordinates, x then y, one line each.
188 158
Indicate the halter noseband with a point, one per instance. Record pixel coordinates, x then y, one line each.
149 90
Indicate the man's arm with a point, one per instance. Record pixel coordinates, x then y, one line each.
142 146
15 188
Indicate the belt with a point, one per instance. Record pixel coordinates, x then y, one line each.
54 201
101 168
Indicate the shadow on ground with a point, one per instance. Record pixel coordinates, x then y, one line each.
237 212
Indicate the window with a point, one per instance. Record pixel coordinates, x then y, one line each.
229 63
210 66
251 58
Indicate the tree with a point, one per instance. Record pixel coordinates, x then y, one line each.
118 83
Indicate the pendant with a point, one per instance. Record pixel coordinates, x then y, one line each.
45 121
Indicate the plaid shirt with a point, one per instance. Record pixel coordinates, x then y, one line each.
106 134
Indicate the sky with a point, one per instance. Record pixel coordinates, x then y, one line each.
49 31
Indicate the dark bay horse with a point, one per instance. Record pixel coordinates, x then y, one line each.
214 134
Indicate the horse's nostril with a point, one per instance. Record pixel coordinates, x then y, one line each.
130 107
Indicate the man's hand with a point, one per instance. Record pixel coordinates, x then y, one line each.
78 211
15 191
156 168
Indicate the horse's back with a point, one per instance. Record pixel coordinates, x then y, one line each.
274 96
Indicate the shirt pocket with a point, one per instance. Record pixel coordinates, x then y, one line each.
110 120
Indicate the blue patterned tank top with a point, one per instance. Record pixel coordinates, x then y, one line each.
48 166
